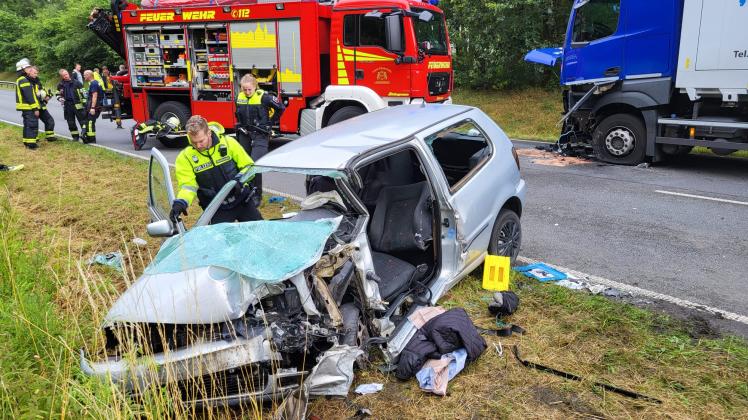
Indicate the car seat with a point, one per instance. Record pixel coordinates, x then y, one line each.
402 222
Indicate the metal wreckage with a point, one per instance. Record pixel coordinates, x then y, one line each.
229 313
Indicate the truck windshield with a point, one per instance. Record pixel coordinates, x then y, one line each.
431 36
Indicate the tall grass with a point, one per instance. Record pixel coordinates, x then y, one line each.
40 375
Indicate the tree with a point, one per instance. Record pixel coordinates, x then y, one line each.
492 37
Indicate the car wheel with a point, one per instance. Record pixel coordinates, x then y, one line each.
170 109
620 139
506 237
345 113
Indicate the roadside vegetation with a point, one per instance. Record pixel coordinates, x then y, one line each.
530 114
71 202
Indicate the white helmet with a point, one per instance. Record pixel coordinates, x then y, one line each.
173 123
22 64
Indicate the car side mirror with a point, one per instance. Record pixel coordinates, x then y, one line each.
394 33
160 229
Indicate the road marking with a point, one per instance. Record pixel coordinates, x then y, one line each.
701 197
638 291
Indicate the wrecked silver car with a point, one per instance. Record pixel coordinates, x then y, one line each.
400 205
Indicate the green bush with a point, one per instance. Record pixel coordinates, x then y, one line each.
492 37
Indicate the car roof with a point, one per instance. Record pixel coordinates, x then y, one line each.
334 146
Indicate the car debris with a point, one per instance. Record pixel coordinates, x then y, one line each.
607 387
372 388
110 259
541 272
238 312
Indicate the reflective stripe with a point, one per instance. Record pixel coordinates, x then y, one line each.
78 106
24 84
189 188
29 140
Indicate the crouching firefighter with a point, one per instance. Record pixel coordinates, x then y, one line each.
255 110
205 166
69 94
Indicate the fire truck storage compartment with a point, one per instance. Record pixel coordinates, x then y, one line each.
271 51
158 56
211 79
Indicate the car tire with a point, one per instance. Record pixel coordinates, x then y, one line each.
170 109
345 113
620 139
506 237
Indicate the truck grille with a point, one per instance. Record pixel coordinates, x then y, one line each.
438 83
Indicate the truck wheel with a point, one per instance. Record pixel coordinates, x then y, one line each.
620 139
170 109
506 237
345 113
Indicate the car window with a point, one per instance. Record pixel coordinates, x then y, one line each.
459 149
596 19
160 190
363 31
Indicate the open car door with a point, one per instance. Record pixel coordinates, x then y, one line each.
160 195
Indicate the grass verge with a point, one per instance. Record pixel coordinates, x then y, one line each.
531 114
71 202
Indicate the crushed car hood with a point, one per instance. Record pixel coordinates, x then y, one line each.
212 273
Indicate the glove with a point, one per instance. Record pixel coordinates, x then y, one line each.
178 207
239 187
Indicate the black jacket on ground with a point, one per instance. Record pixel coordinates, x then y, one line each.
442 334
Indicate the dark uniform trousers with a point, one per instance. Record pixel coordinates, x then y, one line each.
73 113
49 125
89 128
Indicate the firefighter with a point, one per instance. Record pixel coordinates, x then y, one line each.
205 166
255 110
44 97
69 94
30 100
92 108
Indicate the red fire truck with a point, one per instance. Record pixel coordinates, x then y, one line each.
326 60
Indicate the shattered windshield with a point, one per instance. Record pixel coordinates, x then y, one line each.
432 35
269 251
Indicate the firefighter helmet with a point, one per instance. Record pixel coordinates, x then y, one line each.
22 64
173 123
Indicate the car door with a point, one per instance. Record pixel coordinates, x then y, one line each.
160 190
460 148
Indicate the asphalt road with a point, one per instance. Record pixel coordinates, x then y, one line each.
608 221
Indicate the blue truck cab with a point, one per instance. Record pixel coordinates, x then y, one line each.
619 64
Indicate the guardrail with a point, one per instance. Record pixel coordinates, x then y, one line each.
7 85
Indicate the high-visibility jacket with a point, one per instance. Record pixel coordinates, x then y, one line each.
255 110
37 84
26 99
203 174
107 83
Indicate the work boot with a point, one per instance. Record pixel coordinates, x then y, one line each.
31 146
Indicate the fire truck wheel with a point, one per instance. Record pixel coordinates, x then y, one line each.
620 139
345 113
170 109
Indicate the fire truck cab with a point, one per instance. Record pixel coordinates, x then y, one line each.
327 61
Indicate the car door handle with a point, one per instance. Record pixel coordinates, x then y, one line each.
445 222
359 74
613 71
